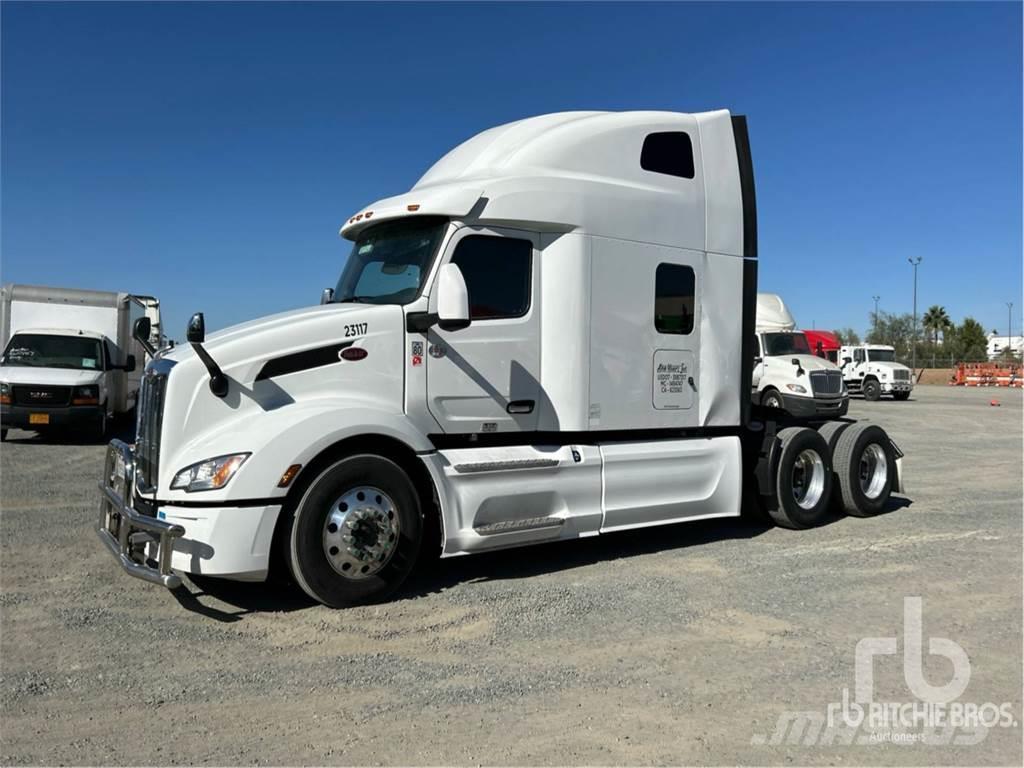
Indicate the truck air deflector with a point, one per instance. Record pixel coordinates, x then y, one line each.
303 361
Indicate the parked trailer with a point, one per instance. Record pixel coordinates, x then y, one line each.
550 336
69 358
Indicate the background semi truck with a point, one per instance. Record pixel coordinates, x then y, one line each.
69 359
787 374
872 370
824 344
550 336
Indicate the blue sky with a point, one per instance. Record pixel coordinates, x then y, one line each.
208 153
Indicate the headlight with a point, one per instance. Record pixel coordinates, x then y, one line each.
5 394
210 474
89 395
796 388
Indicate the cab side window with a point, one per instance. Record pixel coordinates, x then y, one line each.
674 286
497 272
858 356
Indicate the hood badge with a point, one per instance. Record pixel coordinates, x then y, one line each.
352 353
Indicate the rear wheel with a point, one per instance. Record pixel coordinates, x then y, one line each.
803 479
772 399
356 532
865 464
872 390
901 395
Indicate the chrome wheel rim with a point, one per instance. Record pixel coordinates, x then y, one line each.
808 479
361 532
873 471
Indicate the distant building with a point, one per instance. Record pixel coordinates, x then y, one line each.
996 345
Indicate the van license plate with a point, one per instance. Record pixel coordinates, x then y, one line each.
39 418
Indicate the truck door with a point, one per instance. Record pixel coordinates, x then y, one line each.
486 378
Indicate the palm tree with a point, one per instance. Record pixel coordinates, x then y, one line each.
937 321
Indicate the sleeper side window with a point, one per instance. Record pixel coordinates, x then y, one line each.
497 273
670 153
674 286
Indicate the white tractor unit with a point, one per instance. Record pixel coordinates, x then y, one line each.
550 336
872 370
70 360
787 375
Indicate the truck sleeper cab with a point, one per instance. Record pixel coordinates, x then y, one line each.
544 339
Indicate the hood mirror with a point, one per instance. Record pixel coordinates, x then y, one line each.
196 330
327 296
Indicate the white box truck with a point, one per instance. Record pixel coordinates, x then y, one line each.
872 370
787 375
69 358
550 336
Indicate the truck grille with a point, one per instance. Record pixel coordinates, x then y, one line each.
901 374
147 433
826 382
39 396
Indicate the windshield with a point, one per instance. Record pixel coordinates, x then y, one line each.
43 351
389 262
776 344
882 355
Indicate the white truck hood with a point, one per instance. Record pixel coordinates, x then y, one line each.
61 377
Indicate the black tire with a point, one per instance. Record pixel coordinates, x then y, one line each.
3 435
901 395
771 398
830 431
307 559
872 390
854 460
784 507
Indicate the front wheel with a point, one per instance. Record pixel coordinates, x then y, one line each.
772 399
872 390
356 532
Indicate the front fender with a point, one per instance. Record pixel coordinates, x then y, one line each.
277 439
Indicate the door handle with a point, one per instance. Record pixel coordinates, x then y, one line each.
520 406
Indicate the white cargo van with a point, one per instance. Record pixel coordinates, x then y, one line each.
69 359
787 375
550 336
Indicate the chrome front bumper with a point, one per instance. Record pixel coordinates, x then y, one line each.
141 544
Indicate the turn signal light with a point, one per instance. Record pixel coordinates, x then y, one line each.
289 475
413 207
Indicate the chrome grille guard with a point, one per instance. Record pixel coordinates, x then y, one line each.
125 532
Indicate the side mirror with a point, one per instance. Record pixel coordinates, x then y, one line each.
452 299
129 364
847 360
196 331
140 332
327 296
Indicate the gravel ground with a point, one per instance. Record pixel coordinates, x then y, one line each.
674 645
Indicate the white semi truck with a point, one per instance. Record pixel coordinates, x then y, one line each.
550 336
69 358
872 370
787 375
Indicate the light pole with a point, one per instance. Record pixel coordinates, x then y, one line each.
1009 327
913 340
874 319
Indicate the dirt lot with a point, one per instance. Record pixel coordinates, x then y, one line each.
677 645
